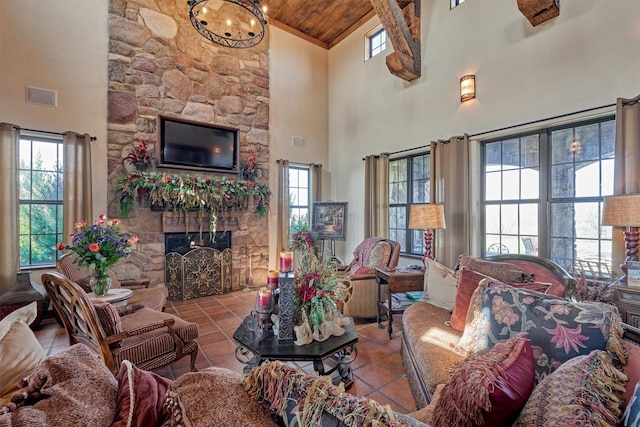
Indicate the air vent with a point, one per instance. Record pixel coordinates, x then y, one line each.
42 96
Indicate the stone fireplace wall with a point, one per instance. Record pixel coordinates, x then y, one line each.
160 65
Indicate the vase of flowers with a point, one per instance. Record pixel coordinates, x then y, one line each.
97 247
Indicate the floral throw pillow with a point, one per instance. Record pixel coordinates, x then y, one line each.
559 330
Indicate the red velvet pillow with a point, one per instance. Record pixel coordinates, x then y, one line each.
489 390
468 281
140 397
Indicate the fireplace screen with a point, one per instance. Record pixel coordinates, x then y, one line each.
198 271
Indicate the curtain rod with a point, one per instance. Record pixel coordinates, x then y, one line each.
625 102
93 138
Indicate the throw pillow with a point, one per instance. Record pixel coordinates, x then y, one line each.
468 281
631 416
109 318
439 285
501 271
379 256
302 399
140 397
582 391
559 329
20 350
488 390
214 397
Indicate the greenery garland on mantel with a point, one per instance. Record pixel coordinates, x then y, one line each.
211 196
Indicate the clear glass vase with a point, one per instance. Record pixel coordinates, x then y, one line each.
100 284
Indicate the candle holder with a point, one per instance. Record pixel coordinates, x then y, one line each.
264 306
286 262
272 279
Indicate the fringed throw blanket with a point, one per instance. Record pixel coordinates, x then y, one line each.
312 399
72 388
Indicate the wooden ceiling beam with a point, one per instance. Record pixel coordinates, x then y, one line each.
403 29
539 11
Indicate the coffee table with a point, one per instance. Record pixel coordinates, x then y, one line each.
332 355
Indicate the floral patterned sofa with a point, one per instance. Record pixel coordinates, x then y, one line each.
520 350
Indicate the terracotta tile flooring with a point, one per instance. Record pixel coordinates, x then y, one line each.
378 370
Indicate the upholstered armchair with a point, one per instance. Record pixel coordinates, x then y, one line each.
143 295
372 253
149 339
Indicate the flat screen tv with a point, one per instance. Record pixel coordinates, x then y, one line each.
184 144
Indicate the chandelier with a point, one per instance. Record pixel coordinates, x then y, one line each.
237 24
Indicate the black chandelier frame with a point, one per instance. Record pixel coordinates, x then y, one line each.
226 38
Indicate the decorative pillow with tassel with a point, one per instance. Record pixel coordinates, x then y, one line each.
559 330
585 390
489 390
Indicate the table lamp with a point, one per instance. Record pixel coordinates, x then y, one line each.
428 217
624 211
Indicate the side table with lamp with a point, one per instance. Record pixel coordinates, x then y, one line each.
421 216
624 211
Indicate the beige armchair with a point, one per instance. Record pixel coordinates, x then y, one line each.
148 338
143 295
372 253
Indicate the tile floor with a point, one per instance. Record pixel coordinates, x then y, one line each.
378 371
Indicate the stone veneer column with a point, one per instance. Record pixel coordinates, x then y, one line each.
160 65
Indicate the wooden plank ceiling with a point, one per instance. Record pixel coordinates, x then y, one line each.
322 22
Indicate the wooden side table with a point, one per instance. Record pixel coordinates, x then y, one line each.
398 281
628 302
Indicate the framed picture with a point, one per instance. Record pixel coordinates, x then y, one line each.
329 220
633 273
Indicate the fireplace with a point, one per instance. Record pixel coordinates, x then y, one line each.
198 266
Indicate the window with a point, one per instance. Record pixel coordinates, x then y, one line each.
299 198
455 3
543 195
41 163
409 182
376 42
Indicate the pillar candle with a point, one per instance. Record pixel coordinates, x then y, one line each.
264 299
286 261
272 279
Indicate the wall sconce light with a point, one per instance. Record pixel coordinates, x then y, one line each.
467 87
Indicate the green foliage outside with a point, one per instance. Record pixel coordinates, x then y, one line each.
40 221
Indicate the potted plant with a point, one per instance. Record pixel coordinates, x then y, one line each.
140 157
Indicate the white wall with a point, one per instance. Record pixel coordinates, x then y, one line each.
586 57
298 107
61 46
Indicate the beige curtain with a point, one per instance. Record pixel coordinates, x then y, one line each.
627 164
77 196
316 182
376 196
282 238
450 186
9 208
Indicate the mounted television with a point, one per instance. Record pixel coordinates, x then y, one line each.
184 144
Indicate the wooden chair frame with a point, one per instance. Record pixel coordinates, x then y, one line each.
82 324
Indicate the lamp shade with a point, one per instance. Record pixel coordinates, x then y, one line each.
621 211
426 216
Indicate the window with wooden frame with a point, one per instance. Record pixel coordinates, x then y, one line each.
375 42
409 183
40 219
543 194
